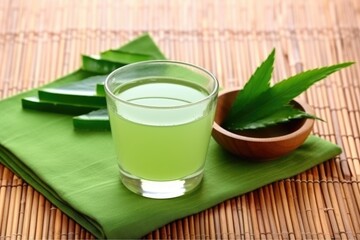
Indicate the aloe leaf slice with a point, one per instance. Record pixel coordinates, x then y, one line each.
75 94
97 65
74 76
100 89
141 48
34 103
95 120
79 93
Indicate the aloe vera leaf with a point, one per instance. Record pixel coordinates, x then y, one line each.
278 96
93 65
34 103
100 66
95 120
81 92
143 44
125 57
100 89
74 76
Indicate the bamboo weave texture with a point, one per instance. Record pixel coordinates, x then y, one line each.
42 40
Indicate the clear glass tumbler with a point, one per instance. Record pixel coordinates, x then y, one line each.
161 116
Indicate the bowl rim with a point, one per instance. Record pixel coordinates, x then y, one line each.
308 124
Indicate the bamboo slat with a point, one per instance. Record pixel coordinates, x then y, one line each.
41 40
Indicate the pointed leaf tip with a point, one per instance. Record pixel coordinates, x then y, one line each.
258 83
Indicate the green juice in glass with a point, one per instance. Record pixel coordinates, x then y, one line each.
164 144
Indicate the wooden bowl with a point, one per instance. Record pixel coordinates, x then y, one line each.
261 144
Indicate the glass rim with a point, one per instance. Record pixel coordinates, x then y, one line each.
113 73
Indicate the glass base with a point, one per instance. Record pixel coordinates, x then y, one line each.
161 189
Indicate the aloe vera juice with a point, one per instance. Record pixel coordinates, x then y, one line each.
168 144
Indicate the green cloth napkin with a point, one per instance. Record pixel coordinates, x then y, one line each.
77 172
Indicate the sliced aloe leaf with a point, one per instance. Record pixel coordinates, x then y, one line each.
140 49
97 65
95 120
74 76
35 103
100 89
79 93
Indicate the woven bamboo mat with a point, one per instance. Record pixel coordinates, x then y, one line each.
42 40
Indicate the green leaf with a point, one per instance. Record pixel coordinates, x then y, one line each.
255 108
258 83
78 93
100 66
292 87
34 103
74 76
100 89
95 120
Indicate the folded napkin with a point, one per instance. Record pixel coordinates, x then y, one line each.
77 172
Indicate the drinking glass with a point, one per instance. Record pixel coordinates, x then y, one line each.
161 115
